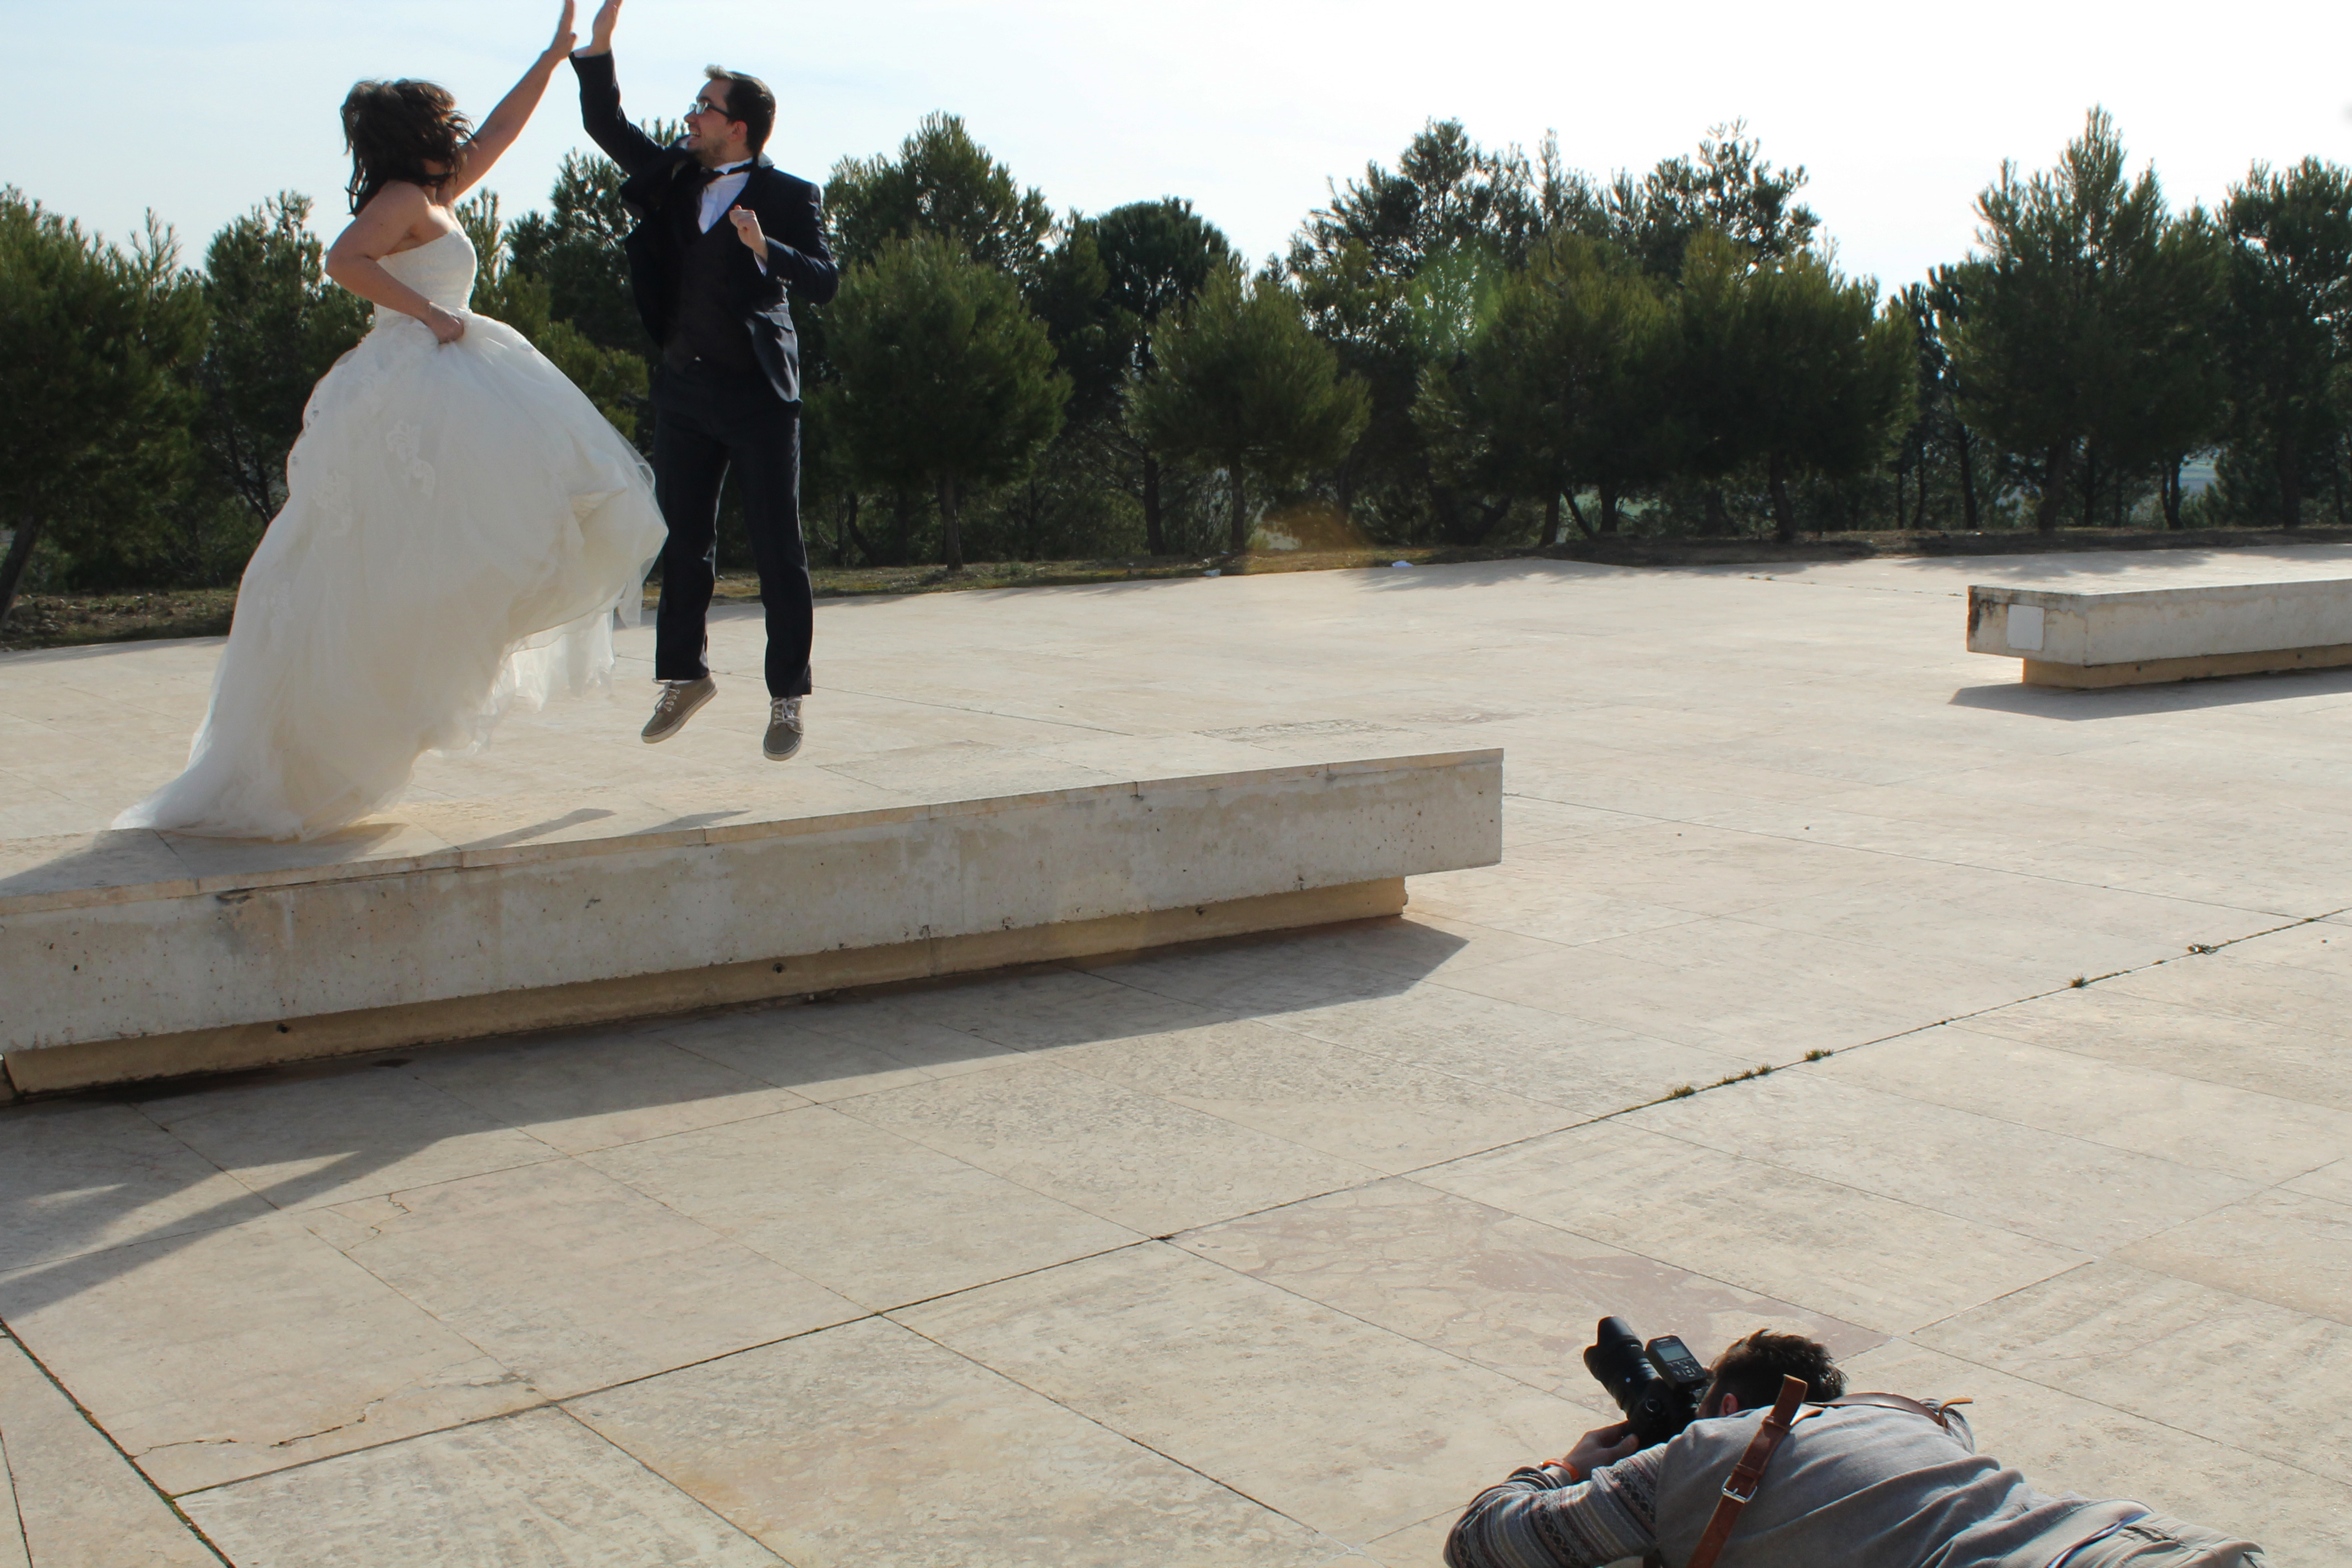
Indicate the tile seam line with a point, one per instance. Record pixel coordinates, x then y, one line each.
1171 1240
1898 855
91 1421
2104 1061
647 1468
16 1495
1734 1082
1986 1366
546 1401
1100 1424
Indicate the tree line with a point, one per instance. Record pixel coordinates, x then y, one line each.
1473 347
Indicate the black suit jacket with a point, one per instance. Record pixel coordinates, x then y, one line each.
790 215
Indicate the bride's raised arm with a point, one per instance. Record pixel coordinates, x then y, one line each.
498 132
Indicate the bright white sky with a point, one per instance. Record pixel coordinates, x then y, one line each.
200 108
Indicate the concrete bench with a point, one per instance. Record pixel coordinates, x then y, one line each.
2138 637
118 963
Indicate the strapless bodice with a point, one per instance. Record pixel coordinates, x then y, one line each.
441 270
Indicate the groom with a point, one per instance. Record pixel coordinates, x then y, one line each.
721 234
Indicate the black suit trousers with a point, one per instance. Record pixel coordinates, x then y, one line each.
706 423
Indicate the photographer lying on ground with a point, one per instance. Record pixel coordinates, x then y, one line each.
1869 1481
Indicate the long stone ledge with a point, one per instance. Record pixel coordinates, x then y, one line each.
2097 639
109 973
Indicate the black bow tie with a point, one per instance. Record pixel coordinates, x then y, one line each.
712 176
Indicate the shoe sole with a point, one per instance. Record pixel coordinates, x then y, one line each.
652 739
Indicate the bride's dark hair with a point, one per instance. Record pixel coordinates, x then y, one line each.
393 129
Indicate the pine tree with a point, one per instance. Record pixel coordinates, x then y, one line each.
1240 383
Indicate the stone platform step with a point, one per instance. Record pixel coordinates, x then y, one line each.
2093 638
135 955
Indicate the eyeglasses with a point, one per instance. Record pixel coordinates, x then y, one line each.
704 106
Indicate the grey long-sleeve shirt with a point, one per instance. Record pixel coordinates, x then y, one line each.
1854 1488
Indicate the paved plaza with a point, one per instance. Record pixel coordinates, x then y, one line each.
1273 1251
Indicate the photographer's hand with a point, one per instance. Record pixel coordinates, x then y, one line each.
1602 1446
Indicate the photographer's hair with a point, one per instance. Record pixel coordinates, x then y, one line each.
393 129
749 101
1751 1370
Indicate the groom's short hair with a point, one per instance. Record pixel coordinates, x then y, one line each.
749 101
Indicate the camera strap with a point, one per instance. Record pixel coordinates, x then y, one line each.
1933 1409
1740 1488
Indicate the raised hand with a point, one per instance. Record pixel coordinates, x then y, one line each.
564 36
747 230
599 31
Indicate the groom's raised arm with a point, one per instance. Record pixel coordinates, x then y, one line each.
600 111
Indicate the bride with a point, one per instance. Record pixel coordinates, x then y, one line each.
460 521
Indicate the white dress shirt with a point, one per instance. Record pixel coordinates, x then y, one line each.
721 193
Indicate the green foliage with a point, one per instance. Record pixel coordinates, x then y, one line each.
2289 270
1155 256
277 323
1789 367
1240 381
576 250
1556 389
2088 315
1729 190
1391 274
946 379
97 347
941 182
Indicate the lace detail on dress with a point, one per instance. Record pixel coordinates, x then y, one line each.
403 441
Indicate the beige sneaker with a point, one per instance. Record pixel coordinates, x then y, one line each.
784 737
675 705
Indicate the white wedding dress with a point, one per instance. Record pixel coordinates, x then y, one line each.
460 526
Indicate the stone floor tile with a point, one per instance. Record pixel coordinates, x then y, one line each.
1419 1545
2278 1246
1057 1007
2264 1378
1713 872
1742 1007
573 1279
2260 1137
859 1210
80 1175
2068 1442
2305 1063
1136 1159
783 1046
597 1087
1537 900
1344 1426
1255 977
67 1498
1489 1287
1592 1068
2236 981
1940 908
1424 946
1371 1110
868 1443
225 1353
2333 1181
307 1137
1868 1260
1954 1162
537 1489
